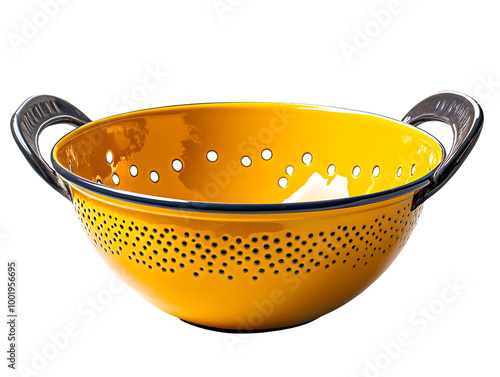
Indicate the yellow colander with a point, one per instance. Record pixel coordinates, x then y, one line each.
248 216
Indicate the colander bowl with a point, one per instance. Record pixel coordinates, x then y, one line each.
248 216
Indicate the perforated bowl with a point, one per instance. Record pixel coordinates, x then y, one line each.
223 214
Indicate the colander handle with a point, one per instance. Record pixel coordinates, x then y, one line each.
32 117
464 116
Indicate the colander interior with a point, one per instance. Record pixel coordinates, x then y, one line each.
248 153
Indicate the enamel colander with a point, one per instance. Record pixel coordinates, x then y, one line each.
248 216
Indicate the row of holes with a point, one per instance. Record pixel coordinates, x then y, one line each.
246 161
212 156
154 176
177 165
282 182
356 171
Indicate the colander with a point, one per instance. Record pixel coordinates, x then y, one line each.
196 206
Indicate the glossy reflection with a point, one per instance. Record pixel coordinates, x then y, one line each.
249 153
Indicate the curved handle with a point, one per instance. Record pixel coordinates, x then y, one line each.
32 117
464 116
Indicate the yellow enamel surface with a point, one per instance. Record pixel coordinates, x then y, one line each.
323 259
246 271
151 140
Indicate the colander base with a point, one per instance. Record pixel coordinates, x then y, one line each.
243 331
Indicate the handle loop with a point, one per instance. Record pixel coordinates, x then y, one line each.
464 116
32 117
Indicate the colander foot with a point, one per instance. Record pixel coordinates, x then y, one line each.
243 331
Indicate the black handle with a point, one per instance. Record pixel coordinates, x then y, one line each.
464 116
32 117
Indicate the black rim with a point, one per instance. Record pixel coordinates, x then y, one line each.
216 207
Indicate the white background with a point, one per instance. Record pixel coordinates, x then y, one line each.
92 53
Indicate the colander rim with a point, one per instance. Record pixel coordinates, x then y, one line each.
221 207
